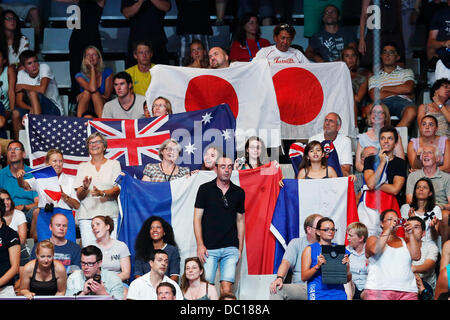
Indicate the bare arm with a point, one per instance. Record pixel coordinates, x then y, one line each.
406 88
41 88
61 278
311 54
14 261
446 163
395 187
12 79
125 268
108 87
201 249
362 26
163 5
240 222
132 10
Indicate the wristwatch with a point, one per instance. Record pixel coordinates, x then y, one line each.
440 106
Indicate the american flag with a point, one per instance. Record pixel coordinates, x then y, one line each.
134 143
68 134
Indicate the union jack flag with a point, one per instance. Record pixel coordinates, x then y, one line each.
134 143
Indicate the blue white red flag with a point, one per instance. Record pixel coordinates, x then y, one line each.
47 180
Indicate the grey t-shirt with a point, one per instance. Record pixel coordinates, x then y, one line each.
293 254
113 109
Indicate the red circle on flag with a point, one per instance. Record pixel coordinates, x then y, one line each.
299 95
208 91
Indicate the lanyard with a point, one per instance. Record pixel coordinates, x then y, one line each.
248 49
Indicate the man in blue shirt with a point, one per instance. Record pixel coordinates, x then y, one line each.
26 201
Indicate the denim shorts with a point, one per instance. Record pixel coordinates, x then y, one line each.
227 258
47 106
396 105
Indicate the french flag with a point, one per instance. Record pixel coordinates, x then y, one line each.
174 201
47 180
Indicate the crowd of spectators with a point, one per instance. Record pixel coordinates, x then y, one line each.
380 262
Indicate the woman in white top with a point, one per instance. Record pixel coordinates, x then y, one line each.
116 255
96 187
15 219
64 205
390 276
423 205
13 37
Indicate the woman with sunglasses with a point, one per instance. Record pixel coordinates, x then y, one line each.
390 276
167 169
312 261
193 283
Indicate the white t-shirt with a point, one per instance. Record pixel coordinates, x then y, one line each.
52 92
113 254
343 146
273 55
23 45
18 218
428 250
113 109
65 181
103 179
142 289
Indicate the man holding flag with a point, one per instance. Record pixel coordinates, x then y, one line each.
219 225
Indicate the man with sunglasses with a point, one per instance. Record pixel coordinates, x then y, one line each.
92 279
219 225
281 51
396 86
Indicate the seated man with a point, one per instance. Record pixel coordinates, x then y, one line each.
127 105
281 51
36 90
396 86
166 291
439 38
140 73
331 126
144 288
430 158
92 279
292 259
218 58
66 251
327 44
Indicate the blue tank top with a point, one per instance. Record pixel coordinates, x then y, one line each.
105 74
316 289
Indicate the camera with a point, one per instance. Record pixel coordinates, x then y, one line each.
49 207
241 160
97 278
401 222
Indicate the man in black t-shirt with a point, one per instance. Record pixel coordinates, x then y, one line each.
438 45
147 23
219 225
327 44
396 167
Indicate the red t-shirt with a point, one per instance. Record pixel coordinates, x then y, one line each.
240 53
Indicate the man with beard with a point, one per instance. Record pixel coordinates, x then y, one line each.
218 58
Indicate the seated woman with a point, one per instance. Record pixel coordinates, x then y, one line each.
116 255
156 233
423 205
439 108
312 261
161 106
198 56
15 219
95 82
167 169
193 283
13 39
43 276
378 118
254 157
428 127
314 163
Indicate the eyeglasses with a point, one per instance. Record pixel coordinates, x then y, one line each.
170 149
91 143
14 149
10 18
88 264
225 202
390 52
328 229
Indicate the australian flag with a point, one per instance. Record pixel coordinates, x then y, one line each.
134 143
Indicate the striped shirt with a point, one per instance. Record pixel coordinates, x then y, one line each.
397 77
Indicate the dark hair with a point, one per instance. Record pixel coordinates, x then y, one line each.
390 44
107 220
431 117
437 84
383 214
333 6
17 33
16 141
184 282
12 201
188 58
142 43
319 224
431 201
25 55
389 129
418 219
2 210
168 285
144 244
247 144
241 34
305 160
123 75
92 250
286 27
157 251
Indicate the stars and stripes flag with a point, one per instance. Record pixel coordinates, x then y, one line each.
134 143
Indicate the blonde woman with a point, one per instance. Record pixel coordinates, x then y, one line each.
161 106
95 82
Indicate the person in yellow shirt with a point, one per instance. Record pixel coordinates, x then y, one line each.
140 73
